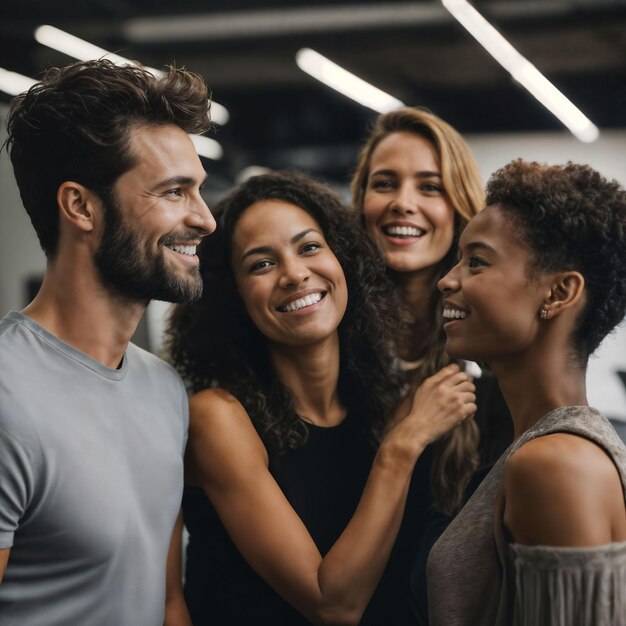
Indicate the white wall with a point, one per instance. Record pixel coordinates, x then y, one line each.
606 154
21 257
20 254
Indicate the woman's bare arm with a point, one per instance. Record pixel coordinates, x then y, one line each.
227 458
4 559
176 613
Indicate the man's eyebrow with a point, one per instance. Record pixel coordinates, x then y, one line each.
184 181
268 249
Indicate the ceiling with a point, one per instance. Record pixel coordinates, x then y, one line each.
281 117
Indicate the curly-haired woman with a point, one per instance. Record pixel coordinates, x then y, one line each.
539 284
300 477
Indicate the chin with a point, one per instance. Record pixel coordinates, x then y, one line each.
460 352
402 266
405 264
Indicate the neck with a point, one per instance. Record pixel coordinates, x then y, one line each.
74 306
417 293
312 374
539 381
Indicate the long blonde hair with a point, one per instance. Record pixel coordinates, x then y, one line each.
455 455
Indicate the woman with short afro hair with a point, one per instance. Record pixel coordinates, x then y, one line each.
540 282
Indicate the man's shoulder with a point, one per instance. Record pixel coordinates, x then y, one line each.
10 327
15 339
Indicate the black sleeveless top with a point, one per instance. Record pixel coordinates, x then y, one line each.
323 481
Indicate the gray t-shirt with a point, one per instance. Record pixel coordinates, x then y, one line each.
91 477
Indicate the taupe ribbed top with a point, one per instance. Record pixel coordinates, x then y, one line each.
476 579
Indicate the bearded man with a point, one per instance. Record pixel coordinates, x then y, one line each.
92 428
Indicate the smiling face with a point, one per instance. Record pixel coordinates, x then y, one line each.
405 206
290 281
155 219
491 303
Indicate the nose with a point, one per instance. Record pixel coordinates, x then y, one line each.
404 201
294 273
450 282
200 217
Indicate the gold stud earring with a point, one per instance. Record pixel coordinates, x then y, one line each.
543 313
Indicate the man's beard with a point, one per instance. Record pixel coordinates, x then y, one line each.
130 269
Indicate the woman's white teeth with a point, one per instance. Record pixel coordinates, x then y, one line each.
454 314
189 250
300 303
404 231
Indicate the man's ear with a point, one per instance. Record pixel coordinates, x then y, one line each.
567 290
78 205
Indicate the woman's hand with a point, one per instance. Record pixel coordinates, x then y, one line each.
440 403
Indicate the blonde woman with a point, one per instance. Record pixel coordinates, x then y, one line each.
416 186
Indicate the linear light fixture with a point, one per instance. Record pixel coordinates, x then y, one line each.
207 147
335 76
84 51
522 70
14 83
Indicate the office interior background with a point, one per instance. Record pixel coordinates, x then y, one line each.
272 114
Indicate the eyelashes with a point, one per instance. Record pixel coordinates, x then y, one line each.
307 249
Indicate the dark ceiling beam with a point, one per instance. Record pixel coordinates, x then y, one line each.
320 19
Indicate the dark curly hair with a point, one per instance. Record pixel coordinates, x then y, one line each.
214 343
74 125
572 219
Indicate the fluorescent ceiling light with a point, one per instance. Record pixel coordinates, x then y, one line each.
522 70
73 46
14 83
344 82
207 147
84 51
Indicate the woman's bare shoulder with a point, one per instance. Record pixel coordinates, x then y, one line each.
560 489
214 397
221 433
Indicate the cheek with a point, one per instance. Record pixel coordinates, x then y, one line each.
342 292
332 271
447 238
443 221
342 299
510 321
442 216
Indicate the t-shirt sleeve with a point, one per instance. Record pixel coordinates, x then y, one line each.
17 481
585 586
